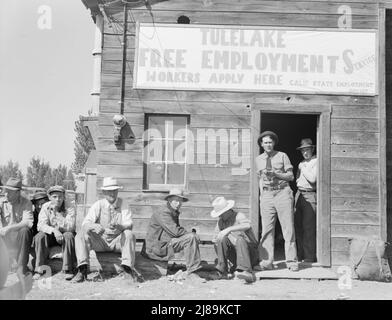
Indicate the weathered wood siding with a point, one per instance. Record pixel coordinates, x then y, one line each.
354 119
388 62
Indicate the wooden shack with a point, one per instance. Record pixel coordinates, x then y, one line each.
348 120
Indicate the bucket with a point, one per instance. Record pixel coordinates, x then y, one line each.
368 259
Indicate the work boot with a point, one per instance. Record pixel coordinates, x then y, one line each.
68 274
245 275
81 275
293 266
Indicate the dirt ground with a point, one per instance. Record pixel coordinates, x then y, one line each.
116 288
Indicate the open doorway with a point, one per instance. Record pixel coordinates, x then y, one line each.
290 128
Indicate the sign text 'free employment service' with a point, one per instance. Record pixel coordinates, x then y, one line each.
225 58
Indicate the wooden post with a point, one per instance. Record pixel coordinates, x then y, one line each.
382 124
254 185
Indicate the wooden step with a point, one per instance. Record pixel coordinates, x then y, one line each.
109 262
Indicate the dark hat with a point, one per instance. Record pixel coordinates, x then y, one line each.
56 189
272 134
178 193
38 195
13 184
306 143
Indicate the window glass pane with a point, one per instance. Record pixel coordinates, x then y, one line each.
178 123
173 123
175 173
156 173
176 151
155 151
157 122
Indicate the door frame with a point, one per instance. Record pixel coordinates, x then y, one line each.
324 170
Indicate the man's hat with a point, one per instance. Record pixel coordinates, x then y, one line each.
221 205
110 183
38 195
178 193
56 189
306 143
272 134
13 184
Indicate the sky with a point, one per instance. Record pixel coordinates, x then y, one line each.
45 78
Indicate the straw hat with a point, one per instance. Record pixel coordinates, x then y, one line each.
221 205
178 193
110 183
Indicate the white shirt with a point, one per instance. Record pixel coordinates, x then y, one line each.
104 213
49 219
307 174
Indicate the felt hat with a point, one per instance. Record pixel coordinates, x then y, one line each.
38 195
56 189
13 184
110 183
306 143
272 134
178 193
221 205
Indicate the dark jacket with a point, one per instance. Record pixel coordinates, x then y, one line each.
163 226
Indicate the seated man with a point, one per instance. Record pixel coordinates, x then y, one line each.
16 220
107 227
165 236
56 226
234 241
38 199
18 290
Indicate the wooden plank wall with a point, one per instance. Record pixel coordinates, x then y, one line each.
354 120
388 61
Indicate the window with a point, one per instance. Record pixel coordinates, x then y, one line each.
165 151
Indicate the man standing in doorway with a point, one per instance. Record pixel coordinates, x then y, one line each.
306 203
276 201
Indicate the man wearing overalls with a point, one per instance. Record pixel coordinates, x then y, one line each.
276 201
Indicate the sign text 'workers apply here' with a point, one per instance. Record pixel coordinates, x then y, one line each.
178 57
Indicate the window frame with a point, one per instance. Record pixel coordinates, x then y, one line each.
148 187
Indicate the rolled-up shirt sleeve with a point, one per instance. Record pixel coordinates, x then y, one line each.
44 222
286 163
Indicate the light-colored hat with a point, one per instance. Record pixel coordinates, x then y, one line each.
110 183
221 205
13 184
178 193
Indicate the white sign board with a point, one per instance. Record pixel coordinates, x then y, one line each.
228 58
